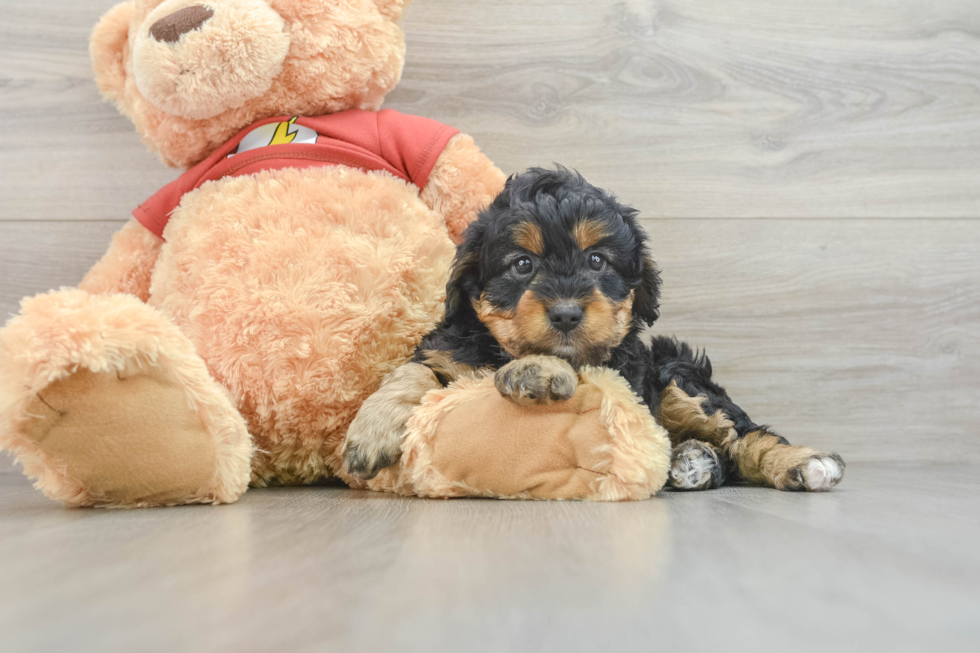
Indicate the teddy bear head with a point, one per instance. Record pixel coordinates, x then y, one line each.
190 74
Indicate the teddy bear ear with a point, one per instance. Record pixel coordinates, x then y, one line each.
107 47
392 9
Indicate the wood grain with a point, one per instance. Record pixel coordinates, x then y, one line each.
859 336
39 256
64 154
709 108
326 569
701 108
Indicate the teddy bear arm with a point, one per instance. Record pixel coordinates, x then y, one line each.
127 265
462 182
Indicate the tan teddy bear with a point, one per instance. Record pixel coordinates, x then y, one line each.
236 324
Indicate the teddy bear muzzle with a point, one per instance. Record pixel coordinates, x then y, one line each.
198 59
170 28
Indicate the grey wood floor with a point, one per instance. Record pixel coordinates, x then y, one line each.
888 562
809 174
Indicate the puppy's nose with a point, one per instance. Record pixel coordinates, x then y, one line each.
565 316
170 28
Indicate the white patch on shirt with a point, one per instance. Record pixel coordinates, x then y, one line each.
276 133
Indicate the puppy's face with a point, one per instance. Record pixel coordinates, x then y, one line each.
555 266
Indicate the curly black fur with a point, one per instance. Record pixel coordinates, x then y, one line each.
554 201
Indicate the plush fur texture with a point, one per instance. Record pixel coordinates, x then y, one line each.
128 265
338 247
601 445
462 181
374 258
234 55
61 332
279 300
339 54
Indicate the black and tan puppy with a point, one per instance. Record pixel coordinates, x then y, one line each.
555 274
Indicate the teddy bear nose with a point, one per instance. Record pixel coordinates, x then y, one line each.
170 28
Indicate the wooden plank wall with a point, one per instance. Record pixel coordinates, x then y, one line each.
808 171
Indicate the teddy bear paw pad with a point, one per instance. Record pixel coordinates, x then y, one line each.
126 438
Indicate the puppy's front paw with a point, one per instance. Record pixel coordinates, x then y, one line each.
536 380
817 474
364 457
374 438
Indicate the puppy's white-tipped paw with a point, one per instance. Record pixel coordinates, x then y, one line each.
817 473
823 472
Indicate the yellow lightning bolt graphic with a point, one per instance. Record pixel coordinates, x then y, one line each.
283 135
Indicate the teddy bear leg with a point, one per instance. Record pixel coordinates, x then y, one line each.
470 439
105 403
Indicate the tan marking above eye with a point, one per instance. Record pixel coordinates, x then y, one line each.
528 236
587 233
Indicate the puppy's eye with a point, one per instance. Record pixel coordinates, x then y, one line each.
597 261
523 265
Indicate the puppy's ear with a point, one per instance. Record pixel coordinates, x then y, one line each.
464 279
646 298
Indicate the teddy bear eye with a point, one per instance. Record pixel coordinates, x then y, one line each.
597 261
523 265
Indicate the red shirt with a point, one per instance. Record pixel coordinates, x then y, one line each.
406 146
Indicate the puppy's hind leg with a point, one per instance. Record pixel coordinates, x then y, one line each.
691 406
696 465
374 438
761 457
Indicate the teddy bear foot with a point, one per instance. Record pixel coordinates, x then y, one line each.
125 438
105 403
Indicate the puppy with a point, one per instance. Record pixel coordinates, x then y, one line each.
553 275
